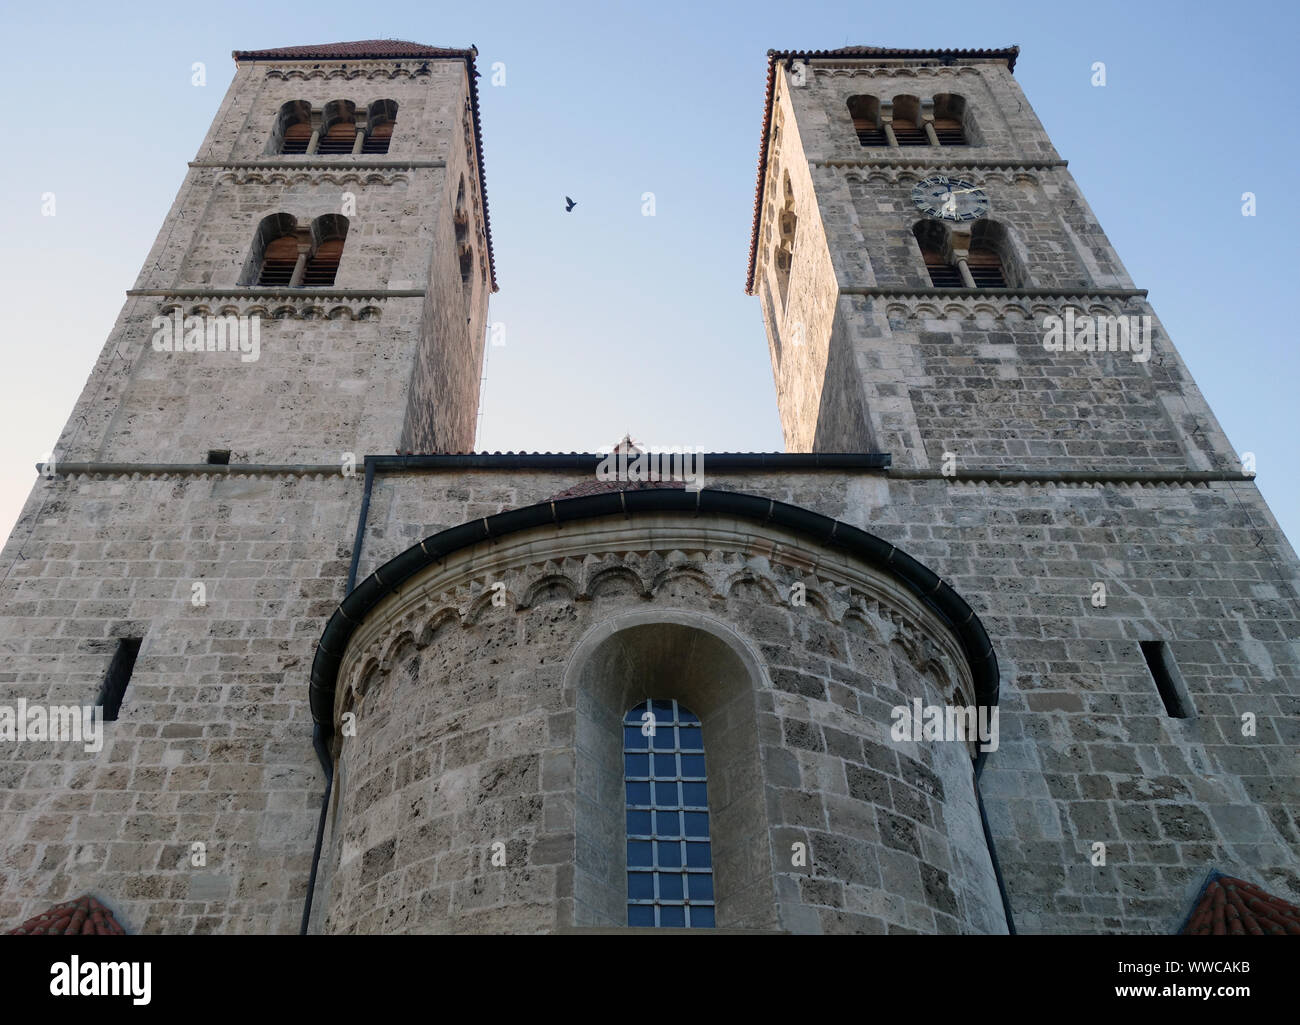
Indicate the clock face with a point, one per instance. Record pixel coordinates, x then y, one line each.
950 199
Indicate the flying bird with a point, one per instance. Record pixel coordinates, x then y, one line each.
568 204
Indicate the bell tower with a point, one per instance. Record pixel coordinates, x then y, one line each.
333 220
919 248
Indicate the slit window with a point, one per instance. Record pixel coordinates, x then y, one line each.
119 675
669 855
1169 681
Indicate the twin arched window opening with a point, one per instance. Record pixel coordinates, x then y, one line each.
337 129
982 265
906 121
669 850
288 255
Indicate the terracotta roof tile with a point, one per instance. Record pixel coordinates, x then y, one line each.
84 916
398 49
1234 907
1007 54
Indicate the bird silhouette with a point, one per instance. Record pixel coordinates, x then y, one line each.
568 204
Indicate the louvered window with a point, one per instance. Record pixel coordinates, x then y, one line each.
323 264
949 131
378 137
340 139
985 268
908 133
296 138
278 262
942 273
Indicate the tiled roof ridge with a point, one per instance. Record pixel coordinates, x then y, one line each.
1233 907
1008 53
82 916
360 49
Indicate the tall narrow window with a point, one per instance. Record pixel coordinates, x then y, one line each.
908 129
328 234
340 124
119 675
949 119
292 128
1169 681
379 126
985 266
865 111
933 240
669 856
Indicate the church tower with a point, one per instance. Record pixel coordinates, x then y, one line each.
316 294
935 286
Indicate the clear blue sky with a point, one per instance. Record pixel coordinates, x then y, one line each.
618 322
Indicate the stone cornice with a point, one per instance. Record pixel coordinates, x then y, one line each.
945 159
1062 294
337 163
298 294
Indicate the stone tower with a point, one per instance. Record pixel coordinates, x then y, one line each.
318 292
935 286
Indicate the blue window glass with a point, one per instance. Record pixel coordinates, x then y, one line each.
669 860
672 916
641 914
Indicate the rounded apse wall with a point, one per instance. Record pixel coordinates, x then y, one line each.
479 733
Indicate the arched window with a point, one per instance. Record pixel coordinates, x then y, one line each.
338 128
669 854
380 120
937 253
865 111
292 128
328 233
275 252
950 119
988 244
908 129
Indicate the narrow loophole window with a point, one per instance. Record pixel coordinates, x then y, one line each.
119 675
1169 681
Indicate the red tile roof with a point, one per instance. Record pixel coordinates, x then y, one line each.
397 49
1007 54
1234 907
84 916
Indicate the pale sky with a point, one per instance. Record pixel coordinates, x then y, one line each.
617 322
